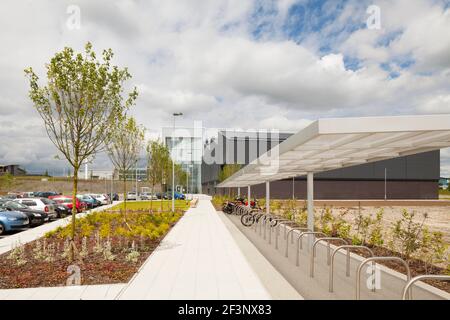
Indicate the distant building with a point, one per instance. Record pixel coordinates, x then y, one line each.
408 177
13 169
131 174
186 148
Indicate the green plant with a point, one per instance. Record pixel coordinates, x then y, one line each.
406 234
325 221
84 252
107 253
376 232
362 228
340 227
133 255
17 254
432 248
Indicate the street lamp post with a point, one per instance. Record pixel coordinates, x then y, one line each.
176 114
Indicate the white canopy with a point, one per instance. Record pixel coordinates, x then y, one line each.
329 144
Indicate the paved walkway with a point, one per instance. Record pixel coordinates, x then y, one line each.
200 259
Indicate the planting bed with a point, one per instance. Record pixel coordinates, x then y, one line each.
109 251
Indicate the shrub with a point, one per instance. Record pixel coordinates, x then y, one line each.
406 234
376 233
432 248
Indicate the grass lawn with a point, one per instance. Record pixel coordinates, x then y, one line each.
444 192
145 205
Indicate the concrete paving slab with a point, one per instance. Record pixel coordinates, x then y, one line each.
201 259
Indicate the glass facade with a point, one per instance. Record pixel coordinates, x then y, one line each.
185 147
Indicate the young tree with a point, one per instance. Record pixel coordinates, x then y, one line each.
158 157
124 148
78 105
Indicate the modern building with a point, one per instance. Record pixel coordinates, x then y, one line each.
13 169
186 148
409 177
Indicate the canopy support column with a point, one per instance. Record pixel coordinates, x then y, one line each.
239 192
267 197
248 196
310 197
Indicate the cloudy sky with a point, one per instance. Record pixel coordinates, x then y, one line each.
252 64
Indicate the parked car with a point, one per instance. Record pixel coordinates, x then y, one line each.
148 196
35 217
179 196
61 210
28 194
114 196
66 201
101 197
91 202
159 195
12 220
131 196
46 194
167 195
41 204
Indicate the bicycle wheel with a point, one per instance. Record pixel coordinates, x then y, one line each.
247 219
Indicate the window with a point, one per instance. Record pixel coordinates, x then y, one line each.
29 203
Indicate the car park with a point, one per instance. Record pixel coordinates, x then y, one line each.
35 217
41 204
12 220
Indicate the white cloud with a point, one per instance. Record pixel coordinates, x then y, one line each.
199 57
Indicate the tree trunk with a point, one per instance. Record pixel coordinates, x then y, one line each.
74 212
151 198
125 196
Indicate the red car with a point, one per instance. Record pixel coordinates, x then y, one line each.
67 202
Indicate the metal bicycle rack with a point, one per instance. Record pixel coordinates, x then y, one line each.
256 219
292 238
347 268
300 243
278 221
264 224
407 290
277 226
373 259
285 224
313 252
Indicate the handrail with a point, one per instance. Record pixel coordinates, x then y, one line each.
373 259
300 243
287 238
407 290
313 252
348 247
